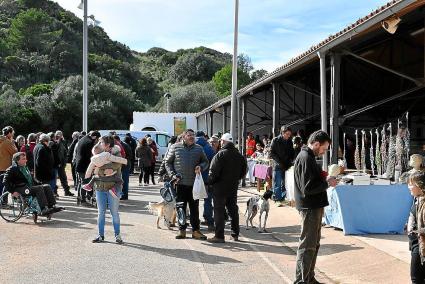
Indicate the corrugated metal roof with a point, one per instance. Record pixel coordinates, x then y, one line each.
377 15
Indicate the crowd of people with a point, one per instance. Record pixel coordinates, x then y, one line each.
101 167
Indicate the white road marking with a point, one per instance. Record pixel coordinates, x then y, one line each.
204 276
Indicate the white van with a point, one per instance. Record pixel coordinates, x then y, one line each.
161 138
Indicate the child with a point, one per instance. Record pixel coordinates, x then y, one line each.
259 153
100 159
416 227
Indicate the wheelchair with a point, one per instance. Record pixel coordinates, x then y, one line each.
12 208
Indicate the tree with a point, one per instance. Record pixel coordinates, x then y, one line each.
192 98
244 63
194 67
257 74
32 31
223 80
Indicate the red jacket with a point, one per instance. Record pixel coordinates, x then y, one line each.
250 147
154 152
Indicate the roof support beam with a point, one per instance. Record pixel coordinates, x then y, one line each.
324 113
368 107
276 110
295 122
302 89
334 115
417 82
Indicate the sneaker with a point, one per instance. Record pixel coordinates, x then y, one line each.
235 237
98 239
87 187
205 223
181 234
118 239
140 184
114 192
56 209
197 235
68 193
216 240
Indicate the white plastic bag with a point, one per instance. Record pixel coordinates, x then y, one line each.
199 191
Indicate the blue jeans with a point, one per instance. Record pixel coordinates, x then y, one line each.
105 199
125 173
208 209
279 191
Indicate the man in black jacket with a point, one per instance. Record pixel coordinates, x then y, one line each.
82 160
227 168
282 153
70 155
18 180
310 199
62 151
44 161
133 145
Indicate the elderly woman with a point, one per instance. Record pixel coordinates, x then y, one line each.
20 141
104 196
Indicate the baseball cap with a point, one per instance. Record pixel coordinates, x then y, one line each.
227 137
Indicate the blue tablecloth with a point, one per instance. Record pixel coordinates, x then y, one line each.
375 209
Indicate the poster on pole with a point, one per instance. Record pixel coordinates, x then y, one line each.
179 125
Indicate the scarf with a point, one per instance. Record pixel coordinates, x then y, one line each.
24 170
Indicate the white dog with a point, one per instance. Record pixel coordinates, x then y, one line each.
164 209
255 204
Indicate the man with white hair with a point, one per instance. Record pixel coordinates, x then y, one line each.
70 155
227 168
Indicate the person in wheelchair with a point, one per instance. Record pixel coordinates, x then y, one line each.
18 180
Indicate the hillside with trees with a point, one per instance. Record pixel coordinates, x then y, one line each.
41 73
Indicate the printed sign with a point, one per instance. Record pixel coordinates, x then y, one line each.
179 125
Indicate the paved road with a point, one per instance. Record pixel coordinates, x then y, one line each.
60 251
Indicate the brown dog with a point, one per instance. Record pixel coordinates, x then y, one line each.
164 209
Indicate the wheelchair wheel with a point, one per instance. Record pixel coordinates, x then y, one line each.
11 208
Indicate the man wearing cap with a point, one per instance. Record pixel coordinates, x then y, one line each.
209 152
82 160
227 167
7 149
187 159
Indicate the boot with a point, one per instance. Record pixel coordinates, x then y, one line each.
197 235
181 235
215 240
68 192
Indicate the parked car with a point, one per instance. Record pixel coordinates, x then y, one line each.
161 139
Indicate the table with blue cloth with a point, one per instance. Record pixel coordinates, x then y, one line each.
368 209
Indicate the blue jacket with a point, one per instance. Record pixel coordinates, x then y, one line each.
209 152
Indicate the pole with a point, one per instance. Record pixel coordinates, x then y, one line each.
324 116
233 110
85 68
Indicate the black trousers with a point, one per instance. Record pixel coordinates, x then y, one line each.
223 200
152 173
417 269
43 193
185 195
63 178
144 175
74 175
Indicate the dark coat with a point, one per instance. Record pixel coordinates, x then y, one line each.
14 178
144 156
70 153
128 154
227 168
55 150
310 184
282 152
43 163
83 154
62 152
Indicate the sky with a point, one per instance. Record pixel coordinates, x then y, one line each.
271 32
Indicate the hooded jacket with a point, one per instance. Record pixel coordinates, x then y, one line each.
7 149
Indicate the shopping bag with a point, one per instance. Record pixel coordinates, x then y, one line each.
199 191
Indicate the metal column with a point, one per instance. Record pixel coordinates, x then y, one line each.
206 123
334 115
324 116
211 123
276 110
225 119
243 126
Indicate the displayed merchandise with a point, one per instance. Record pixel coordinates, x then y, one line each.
363 152
344 153
372 155
378 158
391 163
359 178
357 154
384 153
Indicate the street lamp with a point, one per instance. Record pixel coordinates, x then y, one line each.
233 104
167 96
83 6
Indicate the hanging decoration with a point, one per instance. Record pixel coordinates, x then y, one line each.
372 157
357 153
378 157
384 153
363 152
406 140
391 163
